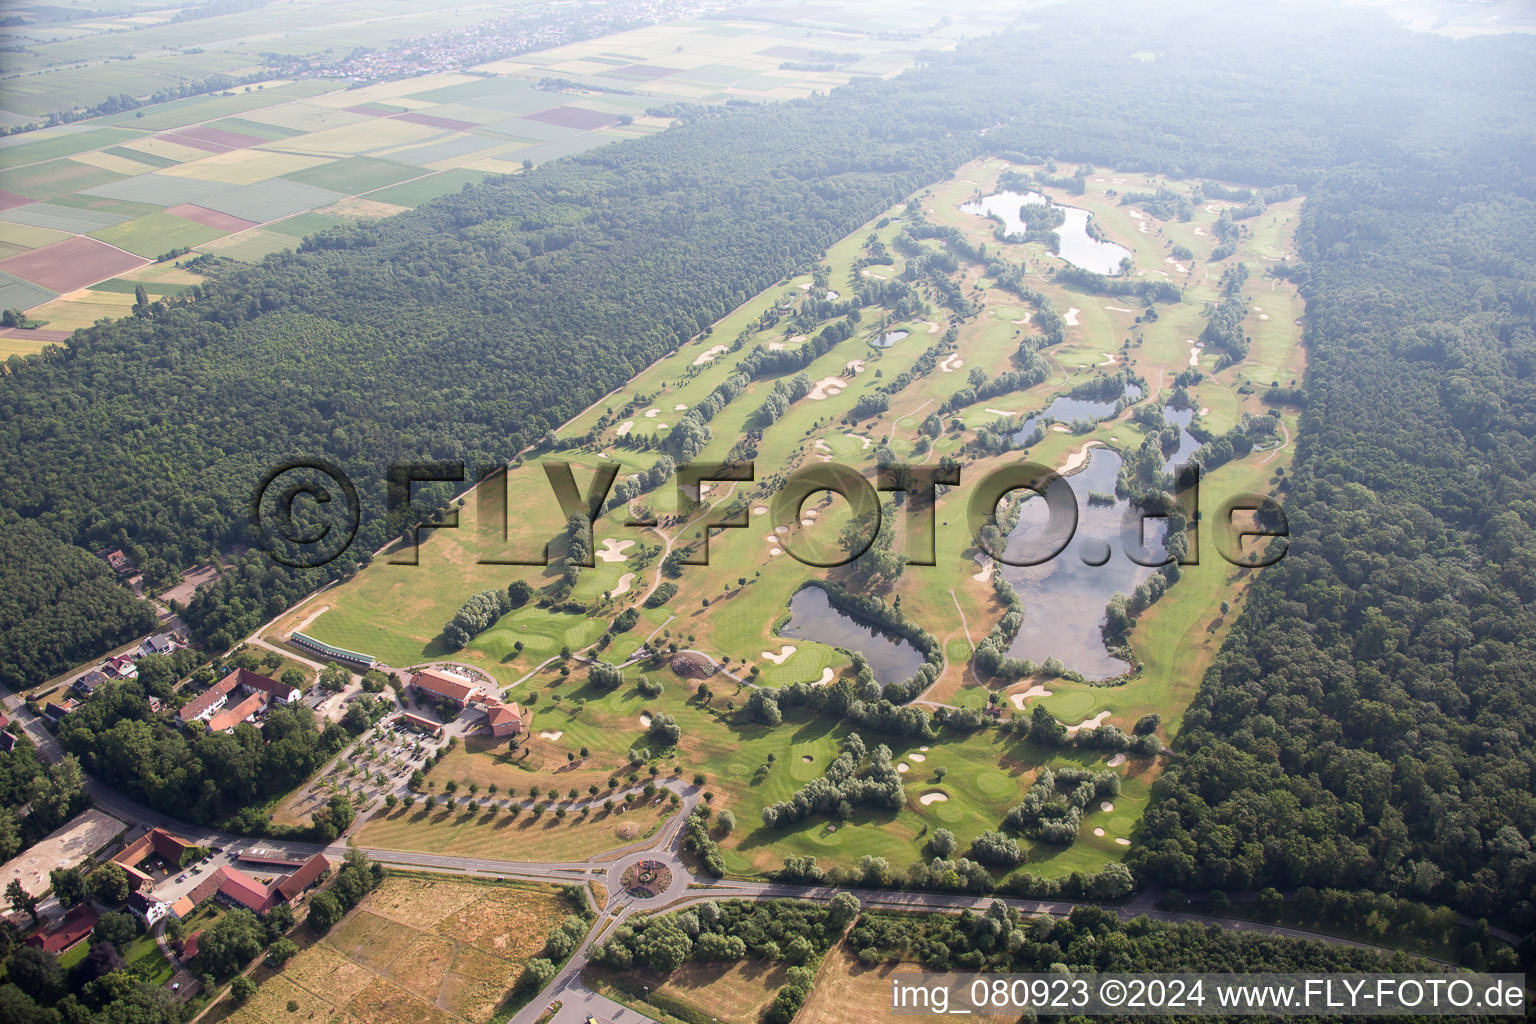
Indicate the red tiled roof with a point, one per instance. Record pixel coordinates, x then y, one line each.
77 924
169 846
194 708
262 684
444 685
244 890
419 722
228 718
303 878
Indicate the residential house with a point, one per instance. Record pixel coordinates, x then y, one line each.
90 682
55 711
121 667
147 908
162 643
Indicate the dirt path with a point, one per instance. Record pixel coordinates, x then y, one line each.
1283 445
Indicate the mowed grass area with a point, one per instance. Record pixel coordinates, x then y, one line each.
420 948
501 836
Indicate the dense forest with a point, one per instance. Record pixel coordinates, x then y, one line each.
1371 722
60 604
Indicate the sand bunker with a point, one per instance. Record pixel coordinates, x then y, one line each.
1099 832
775 346
822 445
645 719
863 441
903 768
622 587
796 339
661 426
1061 428
932 798
1263 316
855 366
1205 410
651 414
1034 691
613 549
871 273
679 407
806 287
1117 761
1110 359
625 428
1194 355
827 675
781 529
1088 723
951 363
933 326
775 552
807 522
923 749
1123 842
1121 309
826 388
1070 316
985 573
1079 457
1106 806
760 510
710 355
1136 213
547 735
919 758
1199 231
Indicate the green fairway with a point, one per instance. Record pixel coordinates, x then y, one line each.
732 608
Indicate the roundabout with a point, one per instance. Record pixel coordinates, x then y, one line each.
646 879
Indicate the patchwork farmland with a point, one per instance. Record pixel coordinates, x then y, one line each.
253 170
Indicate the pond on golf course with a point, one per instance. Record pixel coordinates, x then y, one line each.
1078 247
1064 598
1068 410
813 617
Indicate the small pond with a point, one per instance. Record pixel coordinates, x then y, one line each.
813 617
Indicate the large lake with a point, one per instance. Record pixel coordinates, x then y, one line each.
1078 247
813 617
1064 598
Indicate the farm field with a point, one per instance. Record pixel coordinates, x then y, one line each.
419 948
735 993
847 992
253 169
733 610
